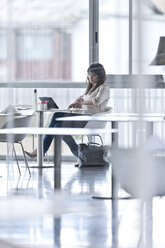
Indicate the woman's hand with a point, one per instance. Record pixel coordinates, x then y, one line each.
75 105
80 99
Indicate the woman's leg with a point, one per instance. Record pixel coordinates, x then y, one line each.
68 139
48 138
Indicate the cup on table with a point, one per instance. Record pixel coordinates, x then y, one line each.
44 105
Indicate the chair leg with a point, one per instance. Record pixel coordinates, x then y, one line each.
33 141
7 157
91 138
26 162
16 158
47 157
8 150
82 139
100 138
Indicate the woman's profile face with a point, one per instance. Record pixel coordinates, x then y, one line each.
93 78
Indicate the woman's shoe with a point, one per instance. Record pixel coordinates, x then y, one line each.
31 155
76 165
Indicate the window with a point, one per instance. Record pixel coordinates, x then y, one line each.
3 46
146 33
114 35
35 46
49 39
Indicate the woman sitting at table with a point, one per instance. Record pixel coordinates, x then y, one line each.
93 101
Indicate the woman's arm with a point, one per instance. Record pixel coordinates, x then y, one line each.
75 105
102 95
79 101
85 102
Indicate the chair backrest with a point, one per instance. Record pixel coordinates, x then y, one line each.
139 172
99 124
17 122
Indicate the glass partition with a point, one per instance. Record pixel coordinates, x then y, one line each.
48 41
114 35
148 22
148 26
44 40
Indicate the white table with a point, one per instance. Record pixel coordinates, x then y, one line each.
115 118
40 114
58 133
112 117
118 117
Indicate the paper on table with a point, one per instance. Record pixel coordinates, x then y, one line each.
77 110
10 110
23 108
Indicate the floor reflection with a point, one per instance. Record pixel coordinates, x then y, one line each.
85 222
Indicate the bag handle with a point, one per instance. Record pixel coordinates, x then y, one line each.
93 143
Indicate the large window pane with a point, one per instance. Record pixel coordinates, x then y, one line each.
46 40
36 47
3 55
113 26
148 26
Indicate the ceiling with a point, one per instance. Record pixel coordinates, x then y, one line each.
58 12
50 12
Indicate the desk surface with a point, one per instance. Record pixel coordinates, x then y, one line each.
69 110
125 117
57 131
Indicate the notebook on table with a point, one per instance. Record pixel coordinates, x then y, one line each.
53 105
50 101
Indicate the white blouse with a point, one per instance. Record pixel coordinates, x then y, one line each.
99 97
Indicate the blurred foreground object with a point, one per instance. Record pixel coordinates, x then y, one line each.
160 55
138 171
21 208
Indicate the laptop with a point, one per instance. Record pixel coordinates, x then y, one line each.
50 101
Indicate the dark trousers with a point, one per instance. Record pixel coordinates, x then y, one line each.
68 139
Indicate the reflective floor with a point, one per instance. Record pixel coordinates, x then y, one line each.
33 215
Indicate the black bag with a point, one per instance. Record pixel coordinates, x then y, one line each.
92 154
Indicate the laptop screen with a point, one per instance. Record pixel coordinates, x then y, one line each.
50 101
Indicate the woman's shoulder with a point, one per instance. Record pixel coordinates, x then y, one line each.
105 85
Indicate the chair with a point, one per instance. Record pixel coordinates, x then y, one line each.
17 138
97 124
141 174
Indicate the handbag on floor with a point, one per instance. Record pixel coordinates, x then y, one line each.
92 154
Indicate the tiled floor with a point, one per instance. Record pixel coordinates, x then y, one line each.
27 204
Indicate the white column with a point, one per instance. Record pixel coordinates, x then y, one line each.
93 31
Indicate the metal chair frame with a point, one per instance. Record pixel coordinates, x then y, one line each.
17 121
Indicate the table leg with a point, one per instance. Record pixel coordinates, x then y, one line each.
114 182
40 141
149 129
115 137
57 162
115 142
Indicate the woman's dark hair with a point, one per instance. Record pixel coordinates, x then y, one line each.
99 70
